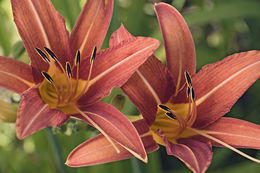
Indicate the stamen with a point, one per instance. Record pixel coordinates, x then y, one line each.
68 69
165 108
43 55
77 62
170 115
52 65
54 57
49 79
192 111
188 78
47 76
192 94
188 92
93 56
69 73
51 53
96 126
204 133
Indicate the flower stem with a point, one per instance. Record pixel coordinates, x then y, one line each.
56 150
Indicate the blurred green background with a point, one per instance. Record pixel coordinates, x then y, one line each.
219 28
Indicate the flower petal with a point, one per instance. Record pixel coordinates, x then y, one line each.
120 35
113 124
179 46
195 154
15 75
114 66
34 115
155 86
39 25
91 27
98 150
153 79
235 132
218 86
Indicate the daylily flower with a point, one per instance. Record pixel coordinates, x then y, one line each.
56 85
182 110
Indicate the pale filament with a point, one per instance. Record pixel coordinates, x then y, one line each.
77 77
85 88
204 133
87 82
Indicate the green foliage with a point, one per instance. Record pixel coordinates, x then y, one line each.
219 28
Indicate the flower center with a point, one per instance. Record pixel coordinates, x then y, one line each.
173 119
60 89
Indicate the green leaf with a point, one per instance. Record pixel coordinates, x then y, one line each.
5 34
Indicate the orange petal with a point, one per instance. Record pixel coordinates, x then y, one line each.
39 25
155 86
235 132
98 150
178 42
218 86
15 75
91 26
120 35
34 115
152 78
195 154
114 66
113 124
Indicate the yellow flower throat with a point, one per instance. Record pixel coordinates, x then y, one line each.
174 120
59 89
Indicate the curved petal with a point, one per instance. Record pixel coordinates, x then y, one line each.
155 86
218 86
120 35
15 75
178 42
34 115
98 150
113 124
195 154
91 26
39 25
114 66
235 132
154 81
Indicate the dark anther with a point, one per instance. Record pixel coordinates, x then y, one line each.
171 115
188 79
54 57
68 68
47 76
78 58
43 55
94 53
188 91
164 107
192 94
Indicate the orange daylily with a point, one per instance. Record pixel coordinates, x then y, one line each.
56 85
181 109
